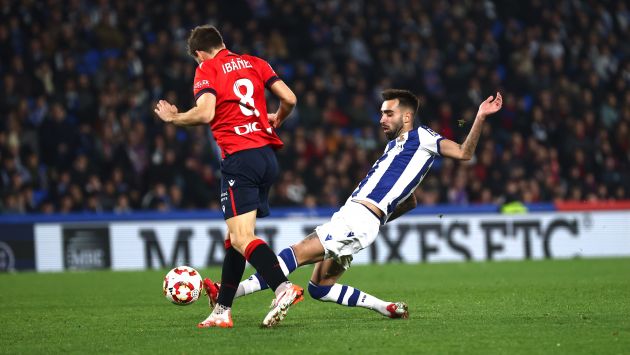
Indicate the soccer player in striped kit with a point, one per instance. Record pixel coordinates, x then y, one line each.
383 195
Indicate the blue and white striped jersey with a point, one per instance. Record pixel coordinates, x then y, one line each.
396 174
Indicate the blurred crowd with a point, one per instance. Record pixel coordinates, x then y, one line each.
79 80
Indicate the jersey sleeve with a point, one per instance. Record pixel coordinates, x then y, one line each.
429 139
267 73
203 83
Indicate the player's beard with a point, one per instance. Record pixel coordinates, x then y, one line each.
394 130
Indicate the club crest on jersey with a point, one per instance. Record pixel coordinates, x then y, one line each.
400 141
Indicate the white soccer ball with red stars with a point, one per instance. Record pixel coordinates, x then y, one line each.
182 285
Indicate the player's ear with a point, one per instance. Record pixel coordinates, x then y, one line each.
408 117
197 58
200 56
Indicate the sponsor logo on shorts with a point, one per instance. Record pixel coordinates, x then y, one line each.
231 182
328 237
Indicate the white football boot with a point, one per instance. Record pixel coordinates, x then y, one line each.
220 317
279 306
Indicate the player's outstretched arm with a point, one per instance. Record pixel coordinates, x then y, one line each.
287 103
202 113
465 151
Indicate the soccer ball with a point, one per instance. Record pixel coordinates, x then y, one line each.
182 285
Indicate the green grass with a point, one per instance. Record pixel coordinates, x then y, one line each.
570 307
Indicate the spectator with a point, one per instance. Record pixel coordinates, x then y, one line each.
78 132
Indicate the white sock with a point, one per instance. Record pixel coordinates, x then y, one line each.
348 296
248 286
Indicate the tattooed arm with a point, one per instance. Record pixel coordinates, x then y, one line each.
407 205
465 151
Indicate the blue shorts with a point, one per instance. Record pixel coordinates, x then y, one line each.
247 176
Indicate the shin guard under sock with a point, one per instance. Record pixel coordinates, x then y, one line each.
262 258
231 274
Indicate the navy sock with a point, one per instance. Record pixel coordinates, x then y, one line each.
265 262
231 274
288 264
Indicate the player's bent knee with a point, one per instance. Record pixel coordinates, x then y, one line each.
240 242
318 291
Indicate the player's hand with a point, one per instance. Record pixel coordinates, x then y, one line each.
273 120
166 111
491 105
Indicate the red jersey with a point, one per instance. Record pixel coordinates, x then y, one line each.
238 82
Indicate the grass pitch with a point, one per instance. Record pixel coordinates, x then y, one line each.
575 306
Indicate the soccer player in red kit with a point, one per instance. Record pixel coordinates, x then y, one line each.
229 90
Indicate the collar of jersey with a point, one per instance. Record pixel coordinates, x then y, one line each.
220 54
223 53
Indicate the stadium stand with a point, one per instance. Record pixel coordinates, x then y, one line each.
80 79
